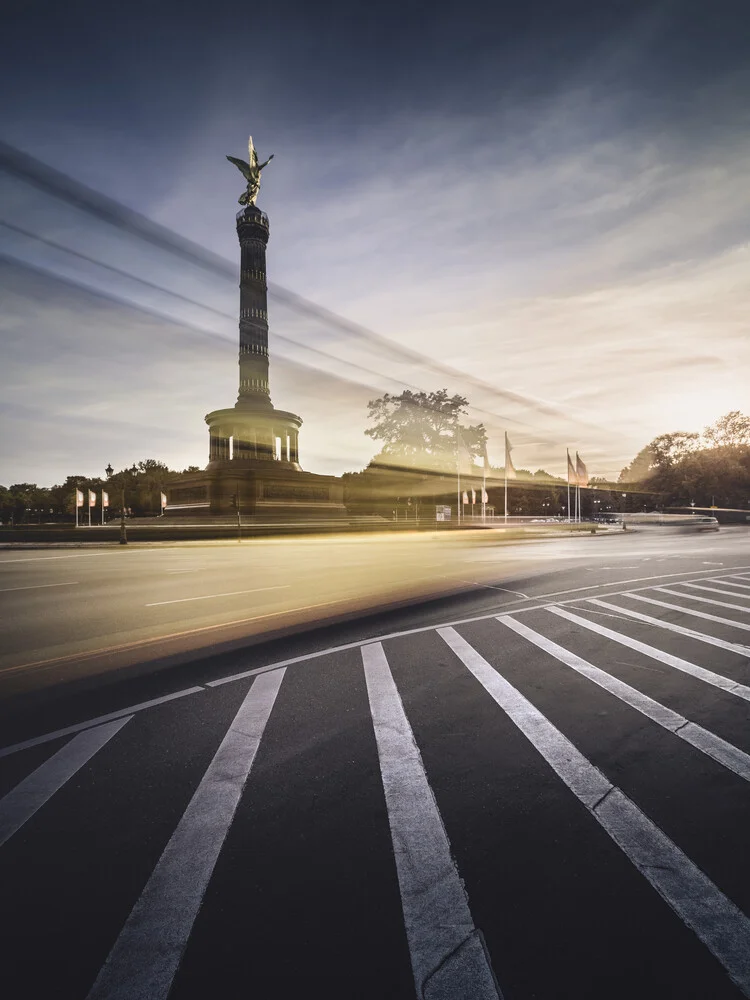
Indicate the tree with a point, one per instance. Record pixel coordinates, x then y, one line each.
640 467
420 428
729 431
667 449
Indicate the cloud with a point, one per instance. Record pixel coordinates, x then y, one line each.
566 249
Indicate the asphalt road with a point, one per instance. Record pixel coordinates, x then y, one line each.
535 787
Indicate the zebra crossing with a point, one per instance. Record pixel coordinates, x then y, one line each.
509 806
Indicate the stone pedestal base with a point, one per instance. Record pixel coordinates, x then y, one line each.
263 491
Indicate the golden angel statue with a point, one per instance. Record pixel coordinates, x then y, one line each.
251 172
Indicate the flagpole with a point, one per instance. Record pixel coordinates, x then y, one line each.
75 504
505 490
458 477
88 504
102 506
567 452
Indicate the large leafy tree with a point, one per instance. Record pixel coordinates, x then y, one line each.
421 429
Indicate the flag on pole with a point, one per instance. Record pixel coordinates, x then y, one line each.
92 498
582 474
465 497
572 477
485 497
473 496
105 499
79 498
510 469
163 500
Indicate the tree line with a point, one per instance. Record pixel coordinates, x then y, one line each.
418 434
683 469
142 483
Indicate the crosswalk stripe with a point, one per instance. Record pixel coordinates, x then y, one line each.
702 739
718 923
727 581
703 600
710 640
447 952
146 955
20 804
692 612
718 590
700 673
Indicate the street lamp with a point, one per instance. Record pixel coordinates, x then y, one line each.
123 530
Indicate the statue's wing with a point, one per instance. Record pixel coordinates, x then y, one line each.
266 163
243 167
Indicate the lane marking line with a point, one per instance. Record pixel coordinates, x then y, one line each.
72 555
718 923
709 743
20 804
291 661
90 723
711 640
38 586
136 643
279 664
701 673
492 586
148 950
206 597
439 926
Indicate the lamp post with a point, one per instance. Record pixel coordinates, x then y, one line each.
123 530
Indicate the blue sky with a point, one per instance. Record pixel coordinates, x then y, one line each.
551 196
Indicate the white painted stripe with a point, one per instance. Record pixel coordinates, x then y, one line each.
72 555
710 640
38 586
443 943
727 581
707 742
80 726
718 923
145 957
703 600
206 597
686 611
20 804
717 590
707 676
252 672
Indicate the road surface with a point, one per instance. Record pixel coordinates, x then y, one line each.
539 790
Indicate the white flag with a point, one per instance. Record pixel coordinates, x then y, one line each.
92 498
572 477
163 500
582 473
79 498
105 499
465 497
510 470
485 498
